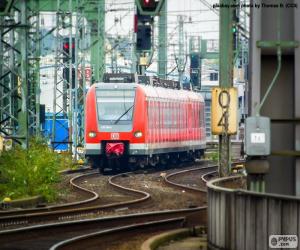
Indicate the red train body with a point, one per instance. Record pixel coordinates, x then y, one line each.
129 124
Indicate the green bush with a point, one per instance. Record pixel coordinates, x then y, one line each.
30 172
212 156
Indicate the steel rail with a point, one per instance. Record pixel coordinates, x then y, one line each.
88 241
81 212
93 197
42 237
182 186
207 177
204 177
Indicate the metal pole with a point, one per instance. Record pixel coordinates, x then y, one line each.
226 79
34 68
162 42
98 43
1 73
134 59
37 71
78 91
62 98
23 37
70 90
82 85
181 54
53 133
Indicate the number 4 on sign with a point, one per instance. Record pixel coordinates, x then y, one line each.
222 122
224 111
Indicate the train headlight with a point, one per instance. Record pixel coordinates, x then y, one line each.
138 134
92 134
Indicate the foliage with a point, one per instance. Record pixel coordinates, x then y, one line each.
212 156
30 172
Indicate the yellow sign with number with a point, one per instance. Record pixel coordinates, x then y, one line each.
224 103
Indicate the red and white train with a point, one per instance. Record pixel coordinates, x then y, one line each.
132 124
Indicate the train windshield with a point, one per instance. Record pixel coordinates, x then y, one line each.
115 106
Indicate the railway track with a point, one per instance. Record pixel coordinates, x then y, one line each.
106 237
206 174
91 198
74 210
121 235
87 233
169 179
89 207
81 209
45 236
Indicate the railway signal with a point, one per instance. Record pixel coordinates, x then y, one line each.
235 37
143 28
66 76
236 19
195 71
148 5
143 37
66 49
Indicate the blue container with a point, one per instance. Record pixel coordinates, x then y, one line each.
61 131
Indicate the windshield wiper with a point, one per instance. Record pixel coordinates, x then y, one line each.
123 115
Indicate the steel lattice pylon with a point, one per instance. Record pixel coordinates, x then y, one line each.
34 50
62 105
97 24
80 81
20 49
15 87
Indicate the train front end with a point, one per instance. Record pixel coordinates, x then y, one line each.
109 124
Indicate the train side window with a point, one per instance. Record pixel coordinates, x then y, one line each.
181 115
200 115
149 114
193 115
164 113
197 115
173 115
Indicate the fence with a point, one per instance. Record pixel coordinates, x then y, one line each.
240 219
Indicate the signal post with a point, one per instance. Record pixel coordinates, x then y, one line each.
143 28
226 51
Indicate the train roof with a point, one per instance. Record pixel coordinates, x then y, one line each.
171 94
154 91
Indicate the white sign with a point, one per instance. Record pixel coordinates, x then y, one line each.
115 136
283 241
258 138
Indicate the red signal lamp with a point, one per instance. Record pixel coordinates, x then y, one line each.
66 46
148 5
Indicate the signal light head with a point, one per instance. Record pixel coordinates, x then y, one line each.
148 5
66 46
233 29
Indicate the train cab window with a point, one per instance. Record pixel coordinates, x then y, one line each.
115 106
